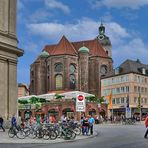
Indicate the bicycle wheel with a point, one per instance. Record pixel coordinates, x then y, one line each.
27 131
57 132
11 133
53 135
73 135
46 134
21 134
32 134
67 135
39 133
77 131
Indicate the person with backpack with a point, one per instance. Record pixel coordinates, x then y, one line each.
1 123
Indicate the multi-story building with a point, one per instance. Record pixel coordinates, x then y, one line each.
72 65
23 90
128 81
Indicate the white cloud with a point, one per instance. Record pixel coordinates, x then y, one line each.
81 30
57 4
134 49
39 15
133 4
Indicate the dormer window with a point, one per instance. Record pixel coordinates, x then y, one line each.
117 71
143 71
146 71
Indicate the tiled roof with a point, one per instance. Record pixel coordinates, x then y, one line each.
49 48
129 66
132 66
66 47
93 45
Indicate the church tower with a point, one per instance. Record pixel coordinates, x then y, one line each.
9 54
83 68
104 40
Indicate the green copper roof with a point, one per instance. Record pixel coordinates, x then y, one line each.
44 54
83 49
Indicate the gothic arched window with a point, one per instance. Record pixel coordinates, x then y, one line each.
72 69
59 81
72 82
58 67
103 69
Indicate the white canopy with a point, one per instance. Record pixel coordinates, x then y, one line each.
47 96
26 97
73 94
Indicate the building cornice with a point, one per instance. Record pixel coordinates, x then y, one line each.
11 49
123 74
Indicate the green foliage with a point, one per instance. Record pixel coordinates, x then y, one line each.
58 97
101 100
95 99
91 99
38 106
23 101
32 100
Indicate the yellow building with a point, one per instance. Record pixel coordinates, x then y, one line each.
22 90
128 81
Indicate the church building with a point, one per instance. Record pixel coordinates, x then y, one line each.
68 66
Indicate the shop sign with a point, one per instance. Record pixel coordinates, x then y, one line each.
24 106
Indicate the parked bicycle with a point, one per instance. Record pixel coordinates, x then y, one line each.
16 131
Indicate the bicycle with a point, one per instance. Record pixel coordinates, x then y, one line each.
16 131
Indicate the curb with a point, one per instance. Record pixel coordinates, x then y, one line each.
42 141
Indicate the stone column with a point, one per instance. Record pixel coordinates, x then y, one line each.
8 58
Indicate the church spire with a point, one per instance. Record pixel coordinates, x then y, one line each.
101 29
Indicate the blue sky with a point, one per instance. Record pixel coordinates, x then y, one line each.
42 22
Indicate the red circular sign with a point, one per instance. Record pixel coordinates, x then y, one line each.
80 98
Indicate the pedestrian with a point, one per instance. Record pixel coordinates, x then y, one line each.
91 122
1 123
85 126
13 121
146 125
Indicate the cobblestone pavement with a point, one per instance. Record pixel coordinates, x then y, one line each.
4 138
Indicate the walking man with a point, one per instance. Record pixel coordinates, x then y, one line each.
146 125
1 123
91 121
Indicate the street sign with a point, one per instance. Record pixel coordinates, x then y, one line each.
128 112
80 103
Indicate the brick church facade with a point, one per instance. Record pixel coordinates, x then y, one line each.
72 65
